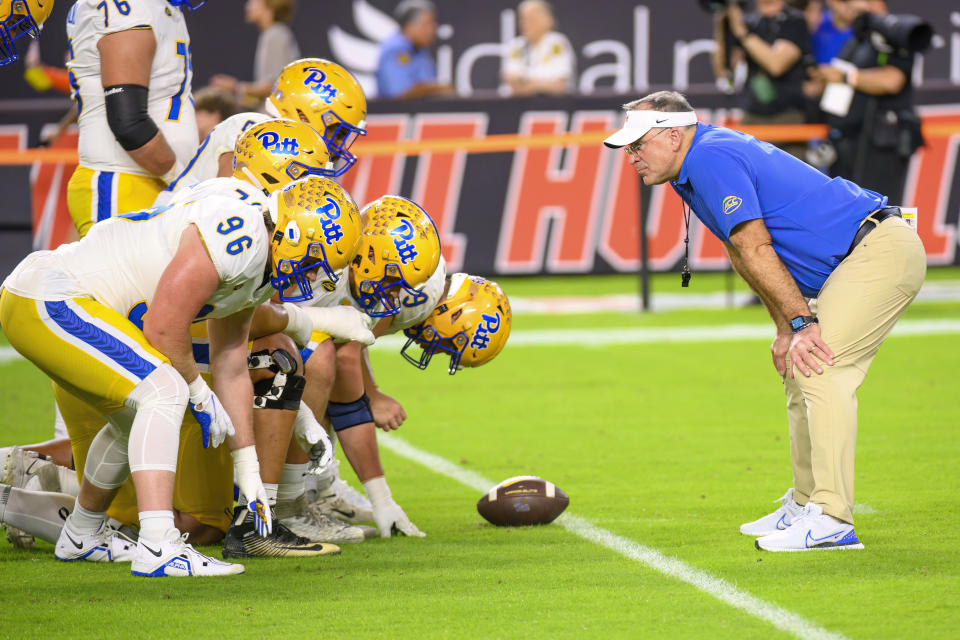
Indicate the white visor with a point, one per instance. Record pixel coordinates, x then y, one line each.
639 121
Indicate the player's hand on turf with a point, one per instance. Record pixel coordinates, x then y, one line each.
779 349
808 350
246 471
391 520
388 414
342 322
215 424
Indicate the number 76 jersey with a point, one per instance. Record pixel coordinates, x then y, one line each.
170 103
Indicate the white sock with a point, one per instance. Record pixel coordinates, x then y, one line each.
291 482
154 525
85 521
271 489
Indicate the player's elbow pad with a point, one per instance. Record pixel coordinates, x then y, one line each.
127 115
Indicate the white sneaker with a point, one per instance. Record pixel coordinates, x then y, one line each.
343 502
106 545
174 557
310 522
811 530
28 470
776 521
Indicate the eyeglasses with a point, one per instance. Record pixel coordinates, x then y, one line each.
638 146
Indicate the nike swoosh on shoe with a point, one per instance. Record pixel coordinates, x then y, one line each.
346 514
156 553
78 545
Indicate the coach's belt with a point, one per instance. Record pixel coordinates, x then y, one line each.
870 223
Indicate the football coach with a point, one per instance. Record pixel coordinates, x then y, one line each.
793 234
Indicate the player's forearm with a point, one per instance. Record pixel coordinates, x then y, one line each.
155 156
231 383
173 341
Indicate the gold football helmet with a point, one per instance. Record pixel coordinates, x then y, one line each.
326 96
471 324
18 18
399 250
273 153
316 226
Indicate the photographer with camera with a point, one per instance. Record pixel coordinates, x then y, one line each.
869 98
774 40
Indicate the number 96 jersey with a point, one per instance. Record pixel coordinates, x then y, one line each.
170 103
119 263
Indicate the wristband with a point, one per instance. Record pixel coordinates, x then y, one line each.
802 322
377 490
299 324
196 387
173 172
850 78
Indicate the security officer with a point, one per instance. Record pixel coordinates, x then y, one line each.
405 68
881 129
793 234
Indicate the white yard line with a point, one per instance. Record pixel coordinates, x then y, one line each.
594 337
782 619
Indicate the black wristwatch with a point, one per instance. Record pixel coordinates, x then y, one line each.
802 322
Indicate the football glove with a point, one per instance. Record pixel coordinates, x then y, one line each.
342 322
312 438
246 471
387 514
215 424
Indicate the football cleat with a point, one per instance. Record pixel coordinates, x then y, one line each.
399 251
106 545
173 557
471 325
28 470
311 523
811 530
776 521
242 541
326 96
341 501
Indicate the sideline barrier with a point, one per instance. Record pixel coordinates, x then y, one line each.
498 143
514 188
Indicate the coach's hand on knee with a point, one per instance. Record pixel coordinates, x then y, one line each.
779 348
808 350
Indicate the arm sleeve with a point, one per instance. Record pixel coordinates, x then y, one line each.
725 189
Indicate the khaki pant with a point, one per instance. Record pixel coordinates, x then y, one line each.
857 307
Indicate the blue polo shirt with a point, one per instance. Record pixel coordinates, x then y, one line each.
401 66
729 177
827 41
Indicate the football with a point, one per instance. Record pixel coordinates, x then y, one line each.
521 501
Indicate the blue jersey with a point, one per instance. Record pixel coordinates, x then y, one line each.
729 177
827 40
401 66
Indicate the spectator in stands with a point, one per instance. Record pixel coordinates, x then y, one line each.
774 41
276 47
405 68
213 106
540 60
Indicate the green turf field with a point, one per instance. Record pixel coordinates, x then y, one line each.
667 445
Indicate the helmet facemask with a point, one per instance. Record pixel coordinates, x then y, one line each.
297 270
431 343
374 293
340 136
12 29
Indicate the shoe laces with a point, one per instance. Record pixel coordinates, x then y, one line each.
811 509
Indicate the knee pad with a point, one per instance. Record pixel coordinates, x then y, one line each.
107 464
344 415
284 389
160 401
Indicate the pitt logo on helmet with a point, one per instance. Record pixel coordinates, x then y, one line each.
731 204
489 324
317 81
328 213
403 234
271 142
